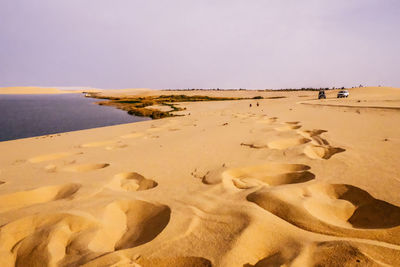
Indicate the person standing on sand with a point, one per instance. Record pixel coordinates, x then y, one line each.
257 104
250 105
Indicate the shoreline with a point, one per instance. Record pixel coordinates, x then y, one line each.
38 115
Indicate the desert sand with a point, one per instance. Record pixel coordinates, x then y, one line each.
294 181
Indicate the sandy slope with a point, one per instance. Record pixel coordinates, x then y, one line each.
288 182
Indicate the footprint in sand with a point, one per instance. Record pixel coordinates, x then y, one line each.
292 122
99 144
343 204
49 157
132 135
311 133
85 167
109 145
50 168
314 135
280 144
287 128
267 120
131 181
240 115
56 239
272 174
173 129
116 146
22 199
321 152
285 143
128 224
1 182
319 148
334 209
154 129
255 145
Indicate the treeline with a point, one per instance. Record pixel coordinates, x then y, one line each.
142 106
258 90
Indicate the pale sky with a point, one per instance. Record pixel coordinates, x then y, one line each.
199 43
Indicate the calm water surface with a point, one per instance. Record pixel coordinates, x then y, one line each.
33 115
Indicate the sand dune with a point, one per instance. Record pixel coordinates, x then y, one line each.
281 184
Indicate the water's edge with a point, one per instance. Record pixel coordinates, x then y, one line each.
23 116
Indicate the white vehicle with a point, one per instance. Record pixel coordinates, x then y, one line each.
343 93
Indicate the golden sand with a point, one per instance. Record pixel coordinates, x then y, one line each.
295 182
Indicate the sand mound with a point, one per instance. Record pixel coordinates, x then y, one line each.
272 174
339 253
283 257
131 181
126 224
36 196
66 239
336 209
335 203
40 240
371 213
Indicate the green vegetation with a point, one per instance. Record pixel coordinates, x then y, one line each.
141 106
194 98
152 113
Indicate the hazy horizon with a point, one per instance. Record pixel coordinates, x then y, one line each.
199 44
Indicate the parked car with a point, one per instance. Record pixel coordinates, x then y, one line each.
343 93
321 95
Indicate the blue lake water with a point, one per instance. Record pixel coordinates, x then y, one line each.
33 115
